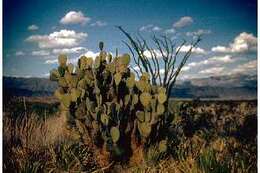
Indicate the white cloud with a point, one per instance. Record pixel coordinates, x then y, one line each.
186 48
183 21
222 49
74 60
150 28
90 54
146 27
170 31
198 32
62 38
46 75
40 53
74 17
244 42
156 28
69 50
51 61
19 53
33 27
215 60
98 23
185 68
162 71
222 59
212 71
156 52
247 68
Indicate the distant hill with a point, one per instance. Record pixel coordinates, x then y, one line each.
218 87
222 87
28 86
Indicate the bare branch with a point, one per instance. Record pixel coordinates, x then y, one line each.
168 55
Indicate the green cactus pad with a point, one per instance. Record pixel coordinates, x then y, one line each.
62 82
89 62
95 125
126 99
75 94
58 93
135 99
145 76
104 119
160 109
109 57
140 116
130 82
61 71
115 134
70 68
97 62
103 56
82 84
74 81
62 60
162 146
145 99
144 129
117 78
147 116
140 85
82 63
54 75
68 77
124 59
161 90
162 98
153 104
66 100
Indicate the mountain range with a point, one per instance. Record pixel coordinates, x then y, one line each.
217 87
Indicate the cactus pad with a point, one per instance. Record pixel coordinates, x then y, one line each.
62 60
115 134
104 119
162 97
117 78
144 129
162 146
140 116
145 99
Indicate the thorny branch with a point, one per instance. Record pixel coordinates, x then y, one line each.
161 62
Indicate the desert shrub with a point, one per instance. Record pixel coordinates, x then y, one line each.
208 163
70 157
227 131
32 145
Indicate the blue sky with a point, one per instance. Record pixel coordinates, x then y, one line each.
36 31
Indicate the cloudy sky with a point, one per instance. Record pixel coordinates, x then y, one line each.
36 31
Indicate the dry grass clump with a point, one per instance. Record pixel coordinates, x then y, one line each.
35 145
200 144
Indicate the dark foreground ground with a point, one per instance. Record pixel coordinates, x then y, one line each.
208 136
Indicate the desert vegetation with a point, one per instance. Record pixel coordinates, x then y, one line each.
114 118
207 136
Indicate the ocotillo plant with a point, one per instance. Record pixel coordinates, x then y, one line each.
112 110
160 60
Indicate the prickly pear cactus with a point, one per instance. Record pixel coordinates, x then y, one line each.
107 103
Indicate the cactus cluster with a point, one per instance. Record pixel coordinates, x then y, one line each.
107 103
